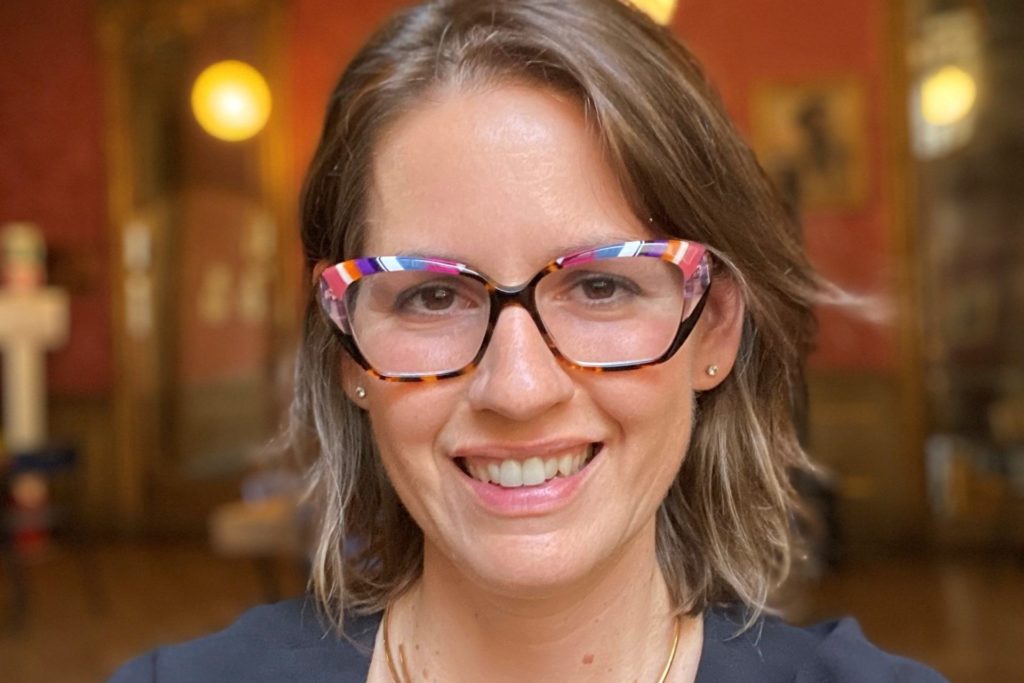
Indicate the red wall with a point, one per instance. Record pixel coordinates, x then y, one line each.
324 36
743 43
52 166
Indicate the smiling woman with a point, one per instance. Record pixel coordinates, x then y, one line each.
556 327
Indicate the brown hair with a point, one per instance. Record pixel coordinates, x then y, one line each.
724 529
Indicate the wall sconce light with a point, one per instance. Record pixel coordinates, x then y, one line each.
659 10
947 95
231 100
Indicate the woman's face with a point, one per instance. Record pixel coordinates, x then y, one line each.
506 179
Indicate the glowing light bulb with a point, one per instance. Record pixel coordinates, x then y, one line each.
231 100
947 96
659 10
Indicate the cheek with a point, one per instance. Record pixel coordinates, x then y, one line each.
407 419
658 390
653 408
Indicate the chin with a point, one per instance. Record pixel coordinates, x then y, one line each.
527 566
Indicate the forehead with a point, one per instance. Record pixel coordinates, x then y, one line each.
504 178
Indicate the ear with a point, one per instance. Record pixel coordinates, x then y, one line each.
351 376
318 269
718 334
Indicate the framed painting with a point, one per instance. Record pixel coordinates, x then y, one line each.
811 139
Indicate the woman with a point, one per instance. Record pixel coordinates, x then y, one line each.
548 369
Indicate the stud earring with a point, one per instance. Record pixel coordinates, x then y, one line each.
360 392
712 370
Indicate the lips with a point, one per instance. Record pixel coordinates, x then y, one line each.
527 470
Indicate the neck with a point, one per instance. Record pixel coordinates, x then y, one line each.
616 624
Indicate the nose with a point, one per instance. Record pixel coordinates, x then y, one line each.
518 377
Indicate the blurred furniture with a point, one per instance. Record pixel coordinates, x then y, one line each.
818 527
266 527
969 293
26 529
976 489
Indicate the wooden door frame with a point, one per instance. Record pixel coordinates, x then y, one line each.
135 461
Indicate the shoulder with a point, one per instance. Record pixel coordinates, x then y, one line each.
284 641
772 650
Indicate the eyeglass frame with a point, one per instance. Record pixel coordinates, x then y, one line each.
692 258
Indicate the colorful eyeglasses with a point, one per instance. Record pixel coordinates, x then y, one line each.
616 307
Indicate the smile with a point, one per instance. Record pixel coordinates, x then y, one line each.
525 472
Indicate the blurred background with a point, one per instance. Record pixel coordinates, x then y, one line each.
151 155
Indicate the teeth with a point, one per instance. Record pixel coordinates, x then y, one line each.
511 474
478 472
550 468
529 472
533 472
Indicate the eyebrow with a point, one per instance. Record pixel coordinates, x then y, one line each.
411 253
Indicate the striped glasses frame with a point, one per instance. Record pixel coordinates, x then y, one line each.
692 258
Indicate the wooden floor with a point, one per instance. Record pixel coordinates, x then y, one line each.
963 616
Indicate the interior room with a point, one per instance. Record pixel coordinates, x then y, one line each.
153 289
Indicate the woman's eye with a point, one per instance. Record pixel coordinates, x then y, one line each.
436 298
604 288
432 298
598 288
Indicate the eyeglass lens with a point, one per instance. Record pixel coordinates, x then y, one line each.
605 312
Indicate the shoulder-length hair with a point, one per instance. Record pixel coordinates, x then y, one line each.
724 529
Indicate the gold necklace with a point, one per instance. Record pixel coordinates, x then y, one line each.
397 678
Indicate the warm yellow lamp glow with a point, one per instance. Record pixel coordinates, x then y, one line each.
947 95
231 100
659 10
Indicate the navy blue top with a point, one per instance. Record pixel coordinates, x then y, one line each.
288 642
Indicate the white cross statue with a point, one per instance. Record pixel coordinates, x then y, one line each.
32 320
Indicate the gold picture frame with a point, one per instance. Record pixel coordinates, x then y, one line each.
811 139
